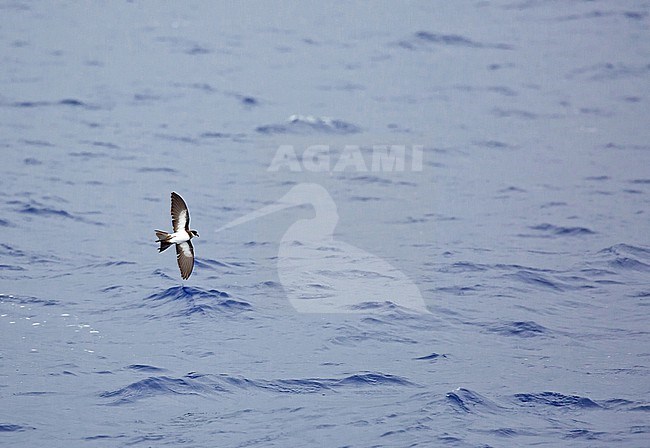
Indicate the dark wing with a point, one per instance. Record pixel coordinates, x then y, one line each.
180 214
185 258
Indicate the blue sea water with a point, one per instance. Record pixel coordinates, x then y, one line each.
525 229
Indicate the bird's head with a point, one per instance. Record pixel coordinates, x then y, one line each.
194 233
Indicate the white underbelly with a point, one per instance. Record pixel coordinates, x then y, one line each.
179 237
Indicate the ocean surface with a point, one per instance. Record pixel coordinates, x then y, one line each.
421 224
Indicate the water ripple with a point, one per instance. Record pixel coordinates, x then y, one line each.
27 300
152 386
308 124
562 231
188 300
70 102
523 329
208 385
627 257
144 368
422 39
468 401
8 427
556 399
536 279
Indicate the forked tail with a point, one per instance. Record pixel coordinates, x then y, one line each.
162 239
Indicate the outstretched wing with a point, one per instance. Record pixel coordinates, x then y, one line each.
185 258
180 214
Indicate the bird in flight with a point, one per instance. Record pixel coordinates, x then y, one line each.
181 236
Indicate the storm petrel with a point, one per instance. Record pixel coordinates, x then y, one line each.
181 236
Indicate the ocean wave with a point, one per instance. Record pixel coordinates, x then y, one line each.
309 124
207 385
145 368
69 102
269 284
7 267
556 399
27 300
104 437
523 329
187 292
372 379
627 257
562 231
469 401
386 305
537 279
628 249
188 300
157 169
422 39
107 264
153 386
209 263
355 337
43 211
8 427
387 311
288 386
431 357
371 179
463 266
608 71
34 208
618 404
